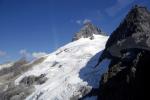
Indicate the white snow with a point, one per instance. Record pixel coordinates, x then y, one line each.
69 70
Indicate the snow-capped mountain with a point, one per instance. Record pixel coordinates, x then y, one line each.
74 71
66 74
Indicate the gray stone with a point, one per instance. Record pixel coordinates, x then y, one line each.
87 32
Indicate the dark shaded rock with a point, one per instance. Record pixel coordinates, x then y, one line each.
87 32
125 79
32 80
136 24
129 50
133 32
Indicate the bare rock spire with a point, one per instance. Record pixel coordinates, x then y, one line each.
87 31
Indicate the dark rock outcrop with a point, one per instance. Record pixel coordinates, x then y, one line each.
32 80
87 32
129 50
125 79
133 32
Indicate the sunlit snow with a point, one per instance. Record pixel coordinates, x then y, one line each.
69 70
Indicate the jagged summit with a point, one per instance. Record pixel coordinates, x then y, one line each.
87 31
128 48
136 25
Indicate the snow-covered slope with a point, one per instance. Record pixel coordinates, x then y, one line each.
69 71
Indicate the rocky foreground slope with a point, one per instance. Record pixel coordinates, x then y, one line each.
128 48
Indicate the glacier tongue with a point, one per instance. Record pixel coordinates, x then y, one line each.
70 70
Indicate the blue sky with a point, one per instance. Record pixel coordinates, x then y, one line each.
30 27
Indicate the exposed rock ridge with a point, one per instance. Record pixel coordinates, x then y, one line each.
136 25
87 31
129 50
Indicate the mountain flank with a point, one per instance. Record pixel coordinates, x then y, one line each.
128 48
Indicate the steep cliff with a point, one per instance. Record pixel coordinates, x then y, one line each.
128 49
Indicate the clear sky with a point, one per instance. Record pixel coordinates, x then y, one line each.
30 27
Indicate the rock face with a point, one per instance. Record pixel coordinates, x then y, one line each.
133 32
87 32
128 48
31 80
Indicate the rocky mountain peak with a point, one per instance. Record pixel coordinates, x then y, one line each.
87 31
128 48
136 24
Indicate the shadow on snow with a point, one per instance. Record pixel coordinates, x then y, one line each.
92 74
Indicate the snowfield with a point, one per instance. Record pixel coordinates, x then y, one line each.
70 70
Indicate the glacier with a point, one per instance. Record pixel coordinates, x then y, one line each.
69 72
